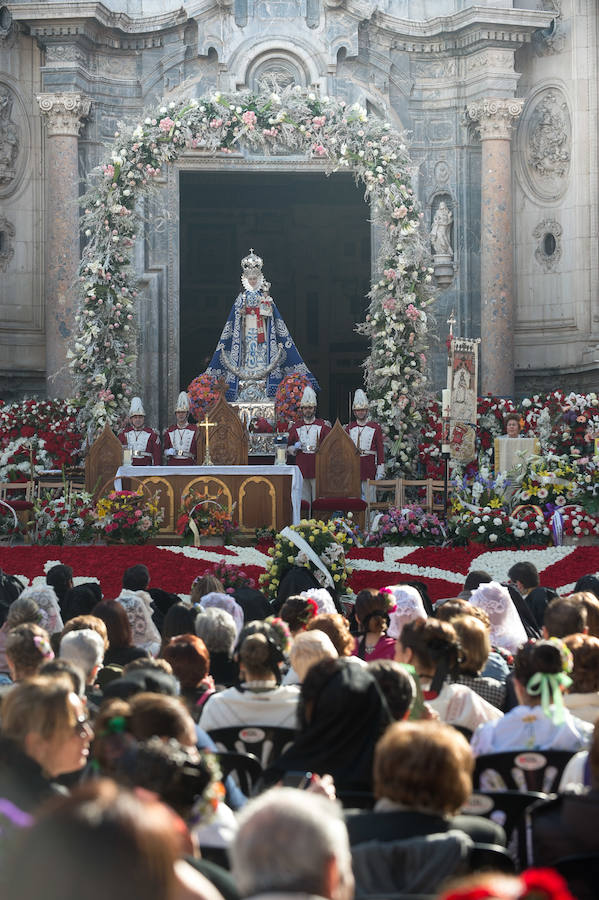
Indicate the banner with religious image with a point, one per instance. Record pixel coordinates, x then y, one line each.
462 377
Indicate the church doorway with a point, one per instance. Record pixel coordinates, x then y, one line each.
314 235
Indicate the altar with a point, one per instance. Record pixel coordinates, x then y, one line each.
261 496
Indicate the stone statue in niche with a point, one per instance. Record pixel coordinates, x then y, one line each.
9 139
548 150
441 231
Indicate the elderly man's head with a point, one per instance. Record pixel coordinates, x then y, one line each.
285 818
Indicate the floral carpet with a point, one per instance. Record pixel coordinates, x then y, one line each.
173 568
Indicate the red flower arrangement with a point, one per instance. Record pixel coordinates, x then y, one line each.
203 393
578 522
53 421
288 399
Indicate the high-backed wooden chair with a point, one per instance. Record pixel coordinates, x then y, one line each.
104 458
338 486
228 438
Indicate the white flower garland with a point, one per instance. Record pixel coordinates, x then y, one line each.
103 351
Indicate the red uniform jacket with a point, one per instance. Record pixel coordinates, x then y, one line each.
368 438
144 445
184 442
311 437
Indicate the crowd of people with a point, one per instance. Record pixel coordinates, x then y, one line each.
370 728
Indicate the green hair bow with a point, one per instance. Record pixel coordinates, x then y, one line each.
549 685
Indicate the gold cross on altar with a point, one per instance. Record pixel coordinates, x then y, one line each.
206 425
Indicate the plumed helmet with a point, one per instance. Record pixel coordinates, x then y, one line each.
137 407
182 402
308 397
360 400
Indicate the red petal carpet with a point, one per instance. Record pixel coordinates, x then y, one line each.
174 568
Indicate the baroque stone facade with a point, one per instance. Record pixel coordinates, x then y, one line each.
486 92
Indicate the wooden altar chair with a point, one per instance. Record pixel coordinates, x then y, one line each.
228 438
338 485
104 458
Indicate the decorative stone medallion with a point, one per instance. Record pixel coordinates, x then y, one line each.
545 145
15 140
548 234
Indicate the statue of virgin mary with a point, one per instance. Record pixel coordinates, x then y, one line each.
255 350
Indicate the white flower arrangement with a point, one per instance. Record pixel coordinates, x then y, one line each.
105 339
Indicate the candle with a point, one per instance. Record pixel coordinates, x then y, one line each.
445 402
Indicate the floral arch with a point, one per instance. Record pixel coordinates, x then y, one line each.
103 351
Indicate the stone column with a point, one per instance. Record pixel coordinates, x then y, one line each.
64 113
494 119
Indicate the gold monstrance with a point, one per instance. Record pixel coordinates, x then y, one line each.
206 425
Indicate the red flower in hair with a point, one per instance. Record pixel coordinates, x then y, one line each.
546 884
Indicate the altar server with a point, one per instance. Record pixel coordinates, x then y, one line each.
305 437
180 447
139 438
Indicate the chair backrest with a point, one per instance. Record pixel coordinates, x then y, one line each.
104 458
521 770
16 490
416 865
338 465
491 857
49 488
381 495
227 439
266 742
244 767
508 809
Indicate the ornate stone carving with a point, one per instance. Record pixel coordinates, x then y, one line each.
9 139
64 112
8 28
442 68
548 233
490 59
442 172
551 40
7 249
545 145
549 139
494 118
65 53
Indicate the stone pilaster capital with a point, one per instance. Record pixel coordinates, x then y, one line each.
494 117
64 112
